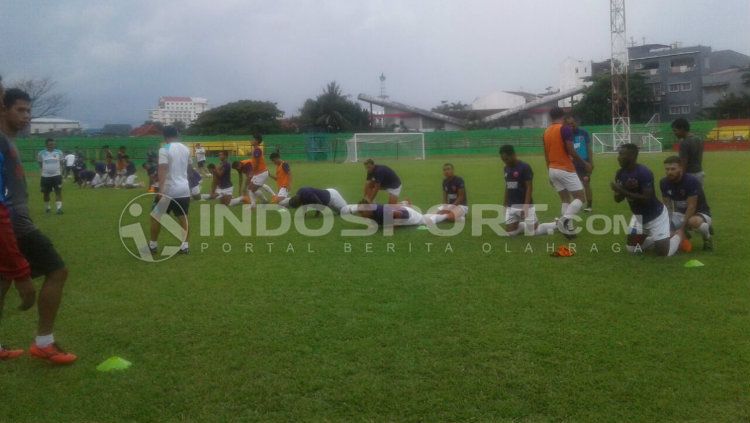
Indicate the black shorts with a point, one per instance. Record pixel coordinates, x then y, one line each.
40 253
178 206
50 183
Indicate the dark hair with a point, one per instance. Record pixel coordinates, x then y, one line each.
508 150
275 155
48 140
448 165
258 137
170 132
631 148
13 95
672 160
236 165
681 123
294 202
556 113
370 161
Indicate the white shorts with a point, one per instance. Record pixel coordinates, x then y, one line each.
336 202
224 192
283 192
394 191
658 228
513 215
450 207
678 219
259 179
196 190
130 180
564 180
98 180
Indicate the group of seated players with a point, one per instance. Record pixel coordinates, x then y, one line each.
683 207
109 173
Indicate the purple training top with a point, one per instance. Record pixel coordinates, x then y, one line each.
636 181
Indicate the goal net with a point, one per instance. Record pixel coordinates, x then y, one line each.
407 145
608 142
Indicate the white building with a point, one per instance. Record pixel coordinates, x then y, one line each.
173 109
573 73
46 125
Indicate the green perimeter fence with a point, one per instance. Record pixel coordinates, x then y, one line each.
332 147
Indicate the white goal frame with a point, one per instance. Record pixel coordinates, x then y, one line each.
352 145
604 143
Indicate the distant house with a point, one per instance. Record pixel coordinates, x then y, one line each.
53 125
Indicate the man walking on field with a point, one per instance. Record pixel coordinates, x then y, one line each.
560 155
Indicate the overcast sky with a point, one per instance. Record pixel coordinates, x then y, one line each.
115 58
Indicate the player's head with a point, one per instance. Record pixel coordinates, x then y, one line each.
276 157
126 158
556 113
257 138
121 149
673 168
197 145
448 170
222 155
50 144
370 165
17 109
680 127
508 155
570 121
170 133
627 155
236 165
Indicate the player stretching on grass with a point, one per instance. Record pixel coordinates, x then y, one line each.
401 214
560 155
455 204
520 213
649 226
35 247
221 182
51 162
381 177
283 176
259 172
684 197
306 195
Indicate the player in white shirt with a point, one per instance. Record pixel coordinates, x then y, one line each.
200 158
174 159
70 162
51 163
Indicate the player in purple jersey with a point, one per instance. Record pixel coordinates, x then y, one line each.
520 213
683 195
221 183
381 177
649 226
455 203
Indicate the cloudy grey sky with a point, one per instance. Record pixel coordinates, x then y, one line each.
115 58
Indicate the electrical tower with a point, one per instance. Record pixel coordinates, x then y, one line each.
619 72
383 93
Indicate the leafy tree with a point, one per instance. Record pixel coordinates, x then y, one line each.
455 106
732 106
595 108
239 118
332 111
180 125
44 100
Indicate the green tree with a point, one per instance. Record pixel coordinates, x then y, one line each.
454 106
180 125
732 106
332 111
239 118
595 108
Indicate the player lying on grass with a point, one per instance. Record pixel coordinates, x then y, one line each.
306 195
36 248
455 204
221 183
381 177
401 214
649 226
683 195
283 176
520 213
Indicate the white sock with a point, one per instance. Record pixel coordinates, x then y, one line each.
58 204
674 245
268 189
437 218
152 244
44 340
704 230
573 208
184 246
564 208
545 228
234 201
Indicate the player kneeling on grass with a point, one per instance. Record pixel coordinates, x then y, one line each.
683 195
306 195
520 214
401 214
455 204
283 177
649 226
131 179
87 178
221 183
381 177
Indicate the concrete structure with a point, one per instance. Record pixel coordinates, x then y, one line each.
533 113
498 100
676 75
573 73
403 118
51 125
173 109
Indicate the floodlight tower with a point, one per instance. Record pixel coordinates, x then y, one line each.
619 72
383 93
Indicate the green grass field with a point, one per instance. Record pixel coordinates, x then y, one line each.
404 336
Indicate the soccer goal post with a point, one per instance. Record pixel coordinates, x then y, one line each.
396 145
609 143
